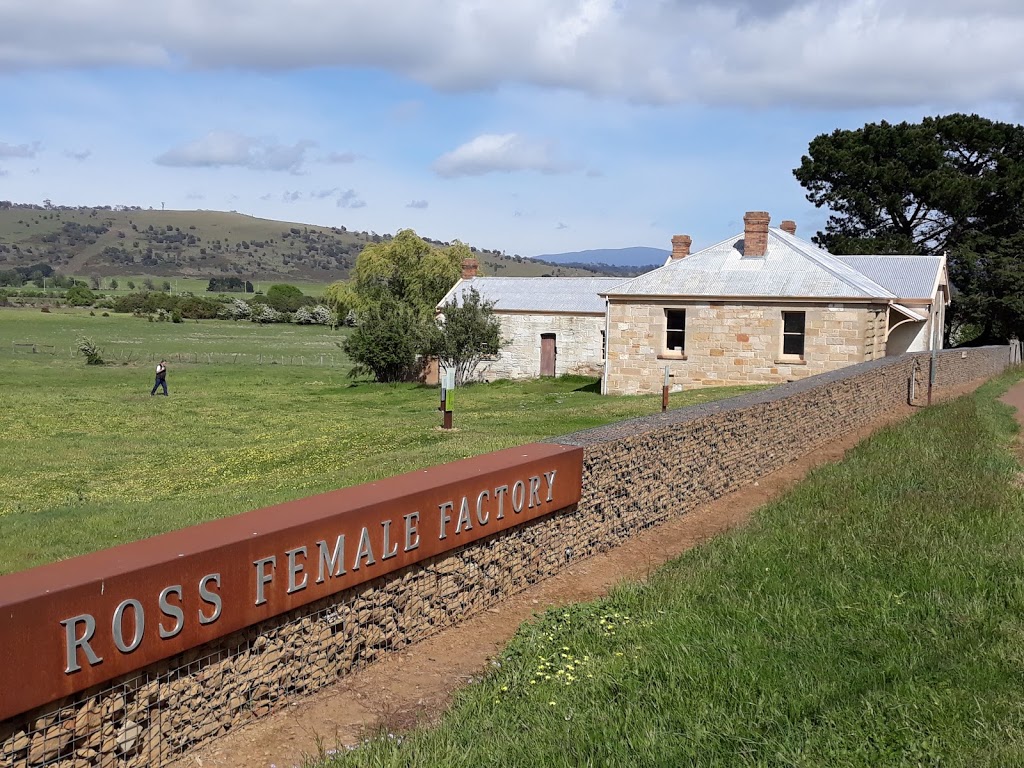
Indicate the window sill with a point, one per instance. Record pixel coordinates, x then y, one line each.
791 361
671 356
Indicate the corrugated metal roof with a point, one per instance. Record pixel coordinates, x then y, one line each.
909 277
539 294
790 268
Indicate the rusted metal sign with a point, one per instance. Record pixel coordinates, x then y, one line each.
68 626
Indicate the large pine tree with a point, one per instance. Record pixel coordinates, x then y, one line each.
952 184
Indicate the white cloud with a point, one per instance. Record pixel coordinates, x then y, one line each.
504 152
340 157
80 155
347 198
417 204
224 148
290 197
562 225
806 52
19 150
350 199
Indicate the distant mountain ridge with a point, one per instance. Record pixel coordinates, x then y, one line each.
637 256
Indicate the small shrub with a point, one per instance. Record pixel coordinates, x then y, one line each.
106 314
79 296
45 309
93 354
176 317
92 313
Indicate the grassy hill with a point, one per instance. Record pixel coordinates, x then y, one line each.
106 242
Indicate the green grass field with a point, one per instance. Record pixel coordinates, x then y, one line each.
872 617
91 460
127 338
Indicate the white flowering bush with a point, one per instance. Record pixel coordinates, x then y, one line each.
261 313
322 315
238 310
318 315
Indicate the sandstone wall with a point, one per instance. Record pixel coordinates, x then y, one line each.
578 339
636 474
735 343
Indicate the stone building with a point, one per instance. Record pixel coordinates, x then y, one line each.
552 325
765 306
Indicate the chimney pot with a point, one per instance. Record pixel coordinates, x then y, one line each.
469 267
755 233
681 246
788 226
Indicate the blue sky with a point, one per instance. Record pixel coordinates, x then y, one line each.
533 127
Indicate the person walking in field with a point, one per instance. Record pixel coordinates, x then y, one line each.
161 378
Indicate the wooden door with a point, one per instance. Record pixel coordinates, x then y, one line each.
548 351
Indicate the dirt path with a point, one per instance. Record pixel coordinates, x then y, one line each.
416 686
1015 397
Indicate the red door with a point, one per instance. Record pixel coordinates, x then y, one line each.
548 350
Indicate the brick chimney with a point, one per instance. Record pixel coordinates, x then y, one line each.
788 226
469 267
755 233
680 246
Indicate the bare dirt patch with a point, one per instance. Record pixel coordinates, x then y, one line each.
414 687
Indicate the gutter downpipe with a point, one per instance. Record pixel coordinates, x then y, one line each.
607 343
931 359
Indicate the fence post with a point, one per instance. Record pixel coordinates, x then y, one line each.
447 392
664 391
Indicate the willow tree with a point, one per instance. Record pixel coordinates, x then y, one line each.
405 269
393 291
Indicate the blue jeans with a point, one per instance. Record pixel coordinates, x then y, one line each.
159 383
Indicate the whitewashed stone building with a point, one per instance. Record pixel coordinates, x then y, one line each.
552 325
765 306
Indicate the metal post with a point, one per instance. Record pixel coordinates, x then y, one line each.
664 391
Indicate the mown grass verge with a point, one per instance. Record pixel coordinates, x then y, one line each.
874 616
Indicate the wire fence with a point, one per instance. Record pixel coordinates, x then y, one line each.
316 359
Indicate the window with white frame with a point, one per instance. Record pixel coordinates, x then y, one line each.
794 326
675 331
